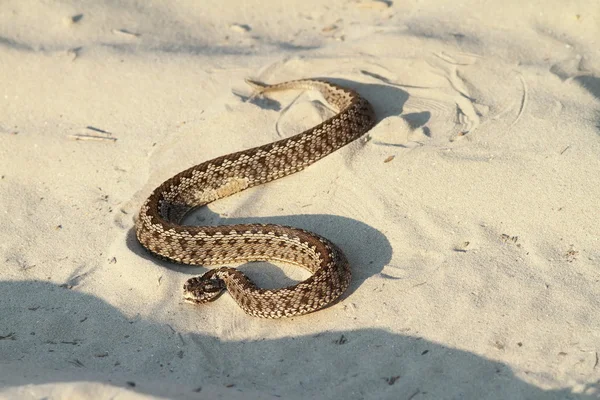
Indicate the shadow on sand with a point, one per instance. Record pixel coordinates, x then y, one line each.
48 328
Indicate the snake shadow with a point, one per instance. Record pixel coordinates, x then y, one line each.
387 100
53 334
367 249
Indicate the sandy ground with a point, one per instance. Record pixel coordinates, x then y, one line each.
469 213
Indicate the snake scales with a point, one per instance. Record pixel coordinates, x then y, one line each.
159 228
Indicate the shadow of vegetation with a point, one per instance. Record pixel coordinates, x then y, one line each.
592 85
199 47
48 329
14 44
193 47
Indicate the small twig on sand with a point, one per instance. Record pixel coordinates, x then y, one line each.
93 128
92 137
11 336
125 32
105 135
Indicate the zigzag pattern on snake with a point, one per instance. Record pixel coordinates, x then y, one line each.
159 229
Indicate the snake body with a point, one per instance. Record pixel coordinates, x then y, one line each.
159 229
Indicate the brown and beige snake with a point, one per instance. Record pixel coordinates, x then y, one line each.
159 228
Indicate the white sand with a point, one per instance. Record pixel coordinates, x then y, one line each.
475 250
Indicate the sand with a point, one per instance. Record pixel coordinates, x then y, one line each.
469 213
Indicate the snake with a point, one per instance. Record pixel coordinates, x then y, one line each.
159 226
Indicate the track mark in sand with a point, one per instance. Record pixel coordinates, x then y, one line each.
440 94
20 261
467 58
390 81
375 5
524 97
126 33
466 117
287 121
571 254
466 114
508 239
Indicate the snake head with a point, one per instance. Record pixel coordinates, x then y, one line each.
203 289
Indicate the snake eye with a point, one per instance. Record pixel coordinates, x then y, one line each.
212 286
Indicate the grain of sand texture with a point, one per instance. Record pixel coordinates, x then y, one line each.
469 214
